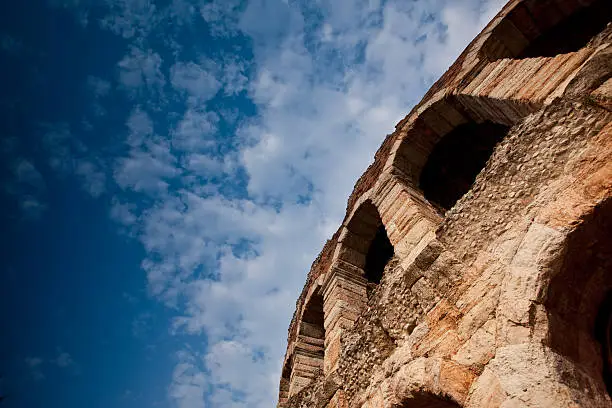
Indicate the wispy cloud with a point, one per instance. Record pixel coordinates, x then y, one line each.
140 70
27 187
141 324
326 95
69 156
27 174
234 187
195 80
34 365
222 17
100 87
189 384
130 18
10 44
63 361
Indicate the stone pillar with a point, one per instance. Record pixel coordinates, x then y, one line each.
283 394
345 296
307 362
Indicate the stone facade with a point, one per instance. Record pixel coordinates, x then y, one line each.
474 265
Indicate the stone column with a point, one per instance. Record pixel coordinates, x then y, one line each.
307 362
283 394
345 296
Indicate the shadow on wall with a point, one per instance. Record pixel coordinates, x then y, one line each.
572 33
425 400
579 298
379 254
547 28
456 160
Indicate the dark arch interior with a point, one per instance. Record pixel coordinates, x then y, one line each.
456 160
572 33
379 254
603 334
579 299
425 400
313 318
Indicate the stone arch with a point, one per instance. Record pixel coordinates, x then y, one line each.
509 87
545 28
305 363
456 160
429 382
427 400
392 208
578 298
406 215
448 143
365 244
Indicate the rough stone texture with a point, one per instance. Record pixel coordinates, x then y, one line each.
499 301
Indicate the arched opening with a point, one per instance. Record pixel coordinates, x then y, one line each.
379 254
456 160
572 33
369 243
579 298
313 319
603 333
308 354
426 400
547 28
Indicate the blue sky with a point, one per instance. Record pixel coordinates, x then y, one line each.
169 171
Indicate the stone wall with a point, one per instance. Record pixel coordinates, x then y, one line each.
501 300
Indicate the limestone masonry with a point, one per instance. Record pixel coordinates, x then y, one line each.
473 267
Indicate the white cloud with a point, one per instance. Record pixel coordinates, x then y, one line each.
27 174
231 254
150 164
189 383
34 365
221 16
130 18
194 79
69 156
183 11
32 207
234 76
123 213
140 127
100 87
196 130
141 69
93 180
62 147
141 324
64 360
27 187
148 168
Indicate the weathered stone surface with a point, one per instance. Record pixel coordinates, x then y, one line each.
499 300
480 347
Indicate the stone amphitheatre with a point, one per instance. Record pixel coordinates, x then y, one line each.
473 267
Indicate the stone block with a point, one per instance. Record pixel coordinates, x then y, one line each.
429 254
455 380
425 294
480 311
479 348
538 246
486 392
